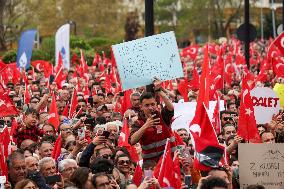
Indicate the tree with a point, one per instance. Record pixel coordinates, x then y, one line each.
166 13
101 17
14 18
200 17
131 26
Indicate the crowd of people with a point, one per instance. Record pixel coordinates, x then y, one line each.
97 152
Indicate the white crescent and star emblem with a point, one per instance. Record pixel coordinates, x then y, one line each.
217 78
226 67
278 65
38 67
248 111
2 102
282 42
195 128
272 53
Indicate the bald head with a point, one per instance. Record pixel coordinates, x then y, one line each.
26 143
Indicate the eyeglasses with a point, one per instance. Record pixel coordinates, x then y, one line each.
123 162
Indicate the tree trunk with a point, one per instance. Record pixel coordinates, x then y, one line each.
3 46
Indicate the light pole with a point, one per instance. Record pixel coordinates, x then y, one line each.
149 27
261 19
273 18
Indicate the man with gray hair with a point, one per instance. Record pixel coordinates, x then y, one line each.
32 163
47 166
113 128
135 103
16 167
66 168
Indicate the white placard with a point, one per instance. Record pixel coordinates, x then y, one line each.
266 103
184 113
261 164
139 61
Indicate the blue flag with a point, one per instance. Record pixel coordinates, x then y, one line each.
25 49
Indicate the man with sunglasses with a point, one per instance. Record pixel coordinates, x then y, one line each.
226 118
123 163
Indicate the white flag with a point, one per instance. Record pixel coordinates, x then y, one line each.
62 39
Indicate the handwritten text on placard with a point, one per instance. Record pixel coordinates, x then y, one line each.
262 164
141 60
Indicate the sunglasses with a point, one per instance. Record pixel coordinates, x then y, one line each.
227 118
106 156
123 162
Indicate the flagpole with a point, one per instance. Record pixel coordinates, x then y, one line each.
58 72
164 155
77 113
71 102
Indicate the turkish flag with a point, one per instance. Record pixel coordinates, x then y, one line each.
57 148
279 43
87 92
14 126
3 165
164 169
107 84
190 51
183 89
7 107
83 64
123 141
74 104
216 122
278 66
2 65
194 83
138 175
59 64
124 134
11 73
273 52
59 78
66 110
177 172
5 140
213 48
208 152
42 65
97 59
247 125
203 96
74 59
126 103
53 117
217 74
27 96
